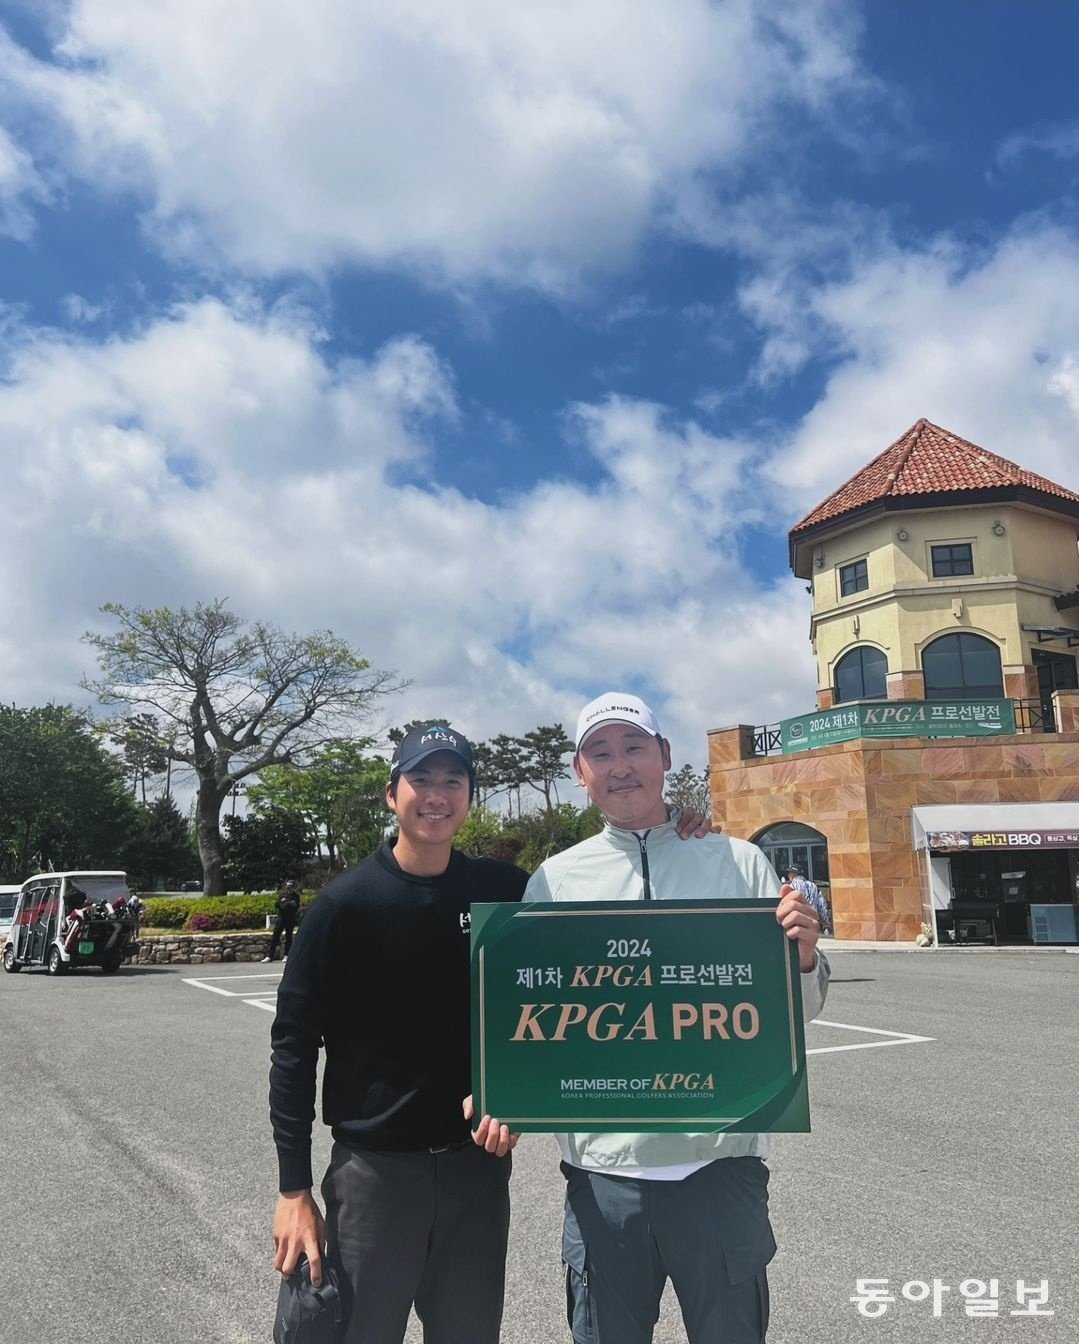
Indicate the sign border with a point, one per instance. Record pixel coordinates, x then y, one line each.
649 909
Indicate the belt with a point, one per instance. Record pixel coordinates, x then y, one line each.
451 1147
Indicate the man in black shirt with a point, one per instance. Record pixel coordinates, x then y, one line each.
415 1212
288 911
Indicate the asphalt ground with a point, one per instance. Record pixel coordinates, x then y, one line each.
139 1178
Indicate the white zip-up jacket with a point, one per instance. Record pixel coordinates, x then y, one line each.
619 865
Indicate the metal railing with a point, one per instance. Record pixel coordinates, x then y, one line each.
1032 715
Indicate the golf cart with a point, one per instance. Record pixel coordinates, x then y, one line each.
9 897
73 919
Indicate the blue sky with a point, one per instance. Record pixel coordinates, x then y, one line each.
509 341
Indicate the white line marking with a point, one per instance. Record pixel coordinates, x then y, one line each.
258 975
212 988
200 983
894 1038
872 1031
261 1003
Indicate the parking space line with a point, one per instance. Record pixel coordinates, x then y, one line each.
255 975
261 1003
200 982
894 1038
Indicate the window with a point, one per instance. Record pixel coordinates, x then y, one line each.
861 675
790 844
853 578
949 561
962 667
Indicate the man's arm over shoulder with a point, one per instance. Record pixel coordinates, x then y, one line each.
295 1038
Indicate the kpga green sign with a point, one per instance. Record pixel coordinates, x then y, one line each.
647 1016
899 718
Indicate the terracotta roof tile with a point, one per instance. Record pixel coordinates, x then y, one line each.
928 460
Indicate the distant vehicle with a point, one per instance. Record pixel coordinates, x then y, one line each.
9 897
190 886
73 919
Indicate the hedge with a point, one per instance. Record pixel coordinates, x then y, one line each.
206 914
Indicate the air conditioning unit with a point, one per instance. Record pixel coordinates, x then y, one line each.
1054 924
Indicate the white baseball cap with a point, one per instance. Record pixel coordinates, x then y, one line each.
615 707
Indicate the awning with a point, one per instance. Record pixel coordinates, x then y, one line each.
1028 825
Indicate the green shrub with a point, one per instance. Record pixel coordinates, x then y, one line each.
206 914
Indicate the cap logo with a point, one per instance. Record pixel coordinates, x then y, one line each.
611 709
438 735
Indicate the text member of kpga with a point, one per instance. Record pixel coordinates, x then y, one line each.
416 1214
642 1208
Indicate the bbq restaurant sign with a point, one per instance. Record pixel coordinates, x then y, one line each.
637 1016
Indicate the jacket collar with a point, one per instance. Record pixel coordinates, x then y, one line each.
630 841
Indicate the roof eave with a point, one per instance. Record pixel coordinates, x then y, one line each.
804 538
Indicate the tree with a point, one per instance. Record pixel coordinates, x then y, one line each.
144 758
162 851
341 794
486 782
687 789
230 700
507 766
63 799
542 765
263 852
482 835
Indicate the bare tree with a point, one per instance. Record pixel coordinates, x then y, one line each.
231 699
686 788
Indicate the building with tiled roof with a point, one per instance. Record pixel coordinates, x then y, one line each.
944 585
926 468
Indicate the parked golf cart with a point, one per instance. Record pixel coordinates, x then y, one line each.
73 919
9 898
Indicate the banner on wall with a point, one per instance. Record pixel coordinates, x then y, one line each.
898 718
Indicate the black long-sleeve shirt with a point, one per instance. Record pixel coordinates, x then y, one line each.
379 971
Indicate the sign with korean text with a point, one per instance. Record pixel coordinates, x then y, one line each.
1060 839
655 1016
898 718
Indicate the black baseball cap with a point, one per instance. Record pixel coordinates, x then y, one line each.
420 743
792 869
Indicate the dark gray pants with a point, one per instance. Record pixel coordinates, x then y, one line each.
423 1228
709 1234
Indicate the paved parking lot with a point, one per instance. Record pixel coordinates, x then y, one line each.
139 1173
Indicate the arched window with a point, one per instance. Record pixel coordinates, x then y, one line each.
962 667
790 844
861 675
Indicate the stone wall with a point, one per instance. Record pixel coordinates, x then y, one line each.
859 795
203 947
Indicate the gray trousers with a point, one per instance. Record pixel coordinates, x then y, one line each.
709 1234
422 1228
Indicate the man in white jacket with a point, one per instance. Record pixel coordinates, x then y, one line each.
642 1208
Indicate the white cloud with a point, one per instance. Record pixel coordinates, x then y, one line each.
1059 142
983 342
21 189
469 140
219 452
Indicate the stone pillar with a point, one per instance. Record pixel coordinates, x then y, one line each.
1066 710
728 745
826 698
1020 681
730 752
906 686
